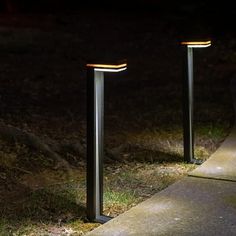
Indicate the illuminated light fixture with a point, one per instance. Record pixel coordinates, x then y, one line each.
188 101
200 44
95 133
108 68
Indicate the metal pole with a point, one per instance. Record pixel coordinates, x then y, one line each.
95 137
188 109
188 100
91 163
95 133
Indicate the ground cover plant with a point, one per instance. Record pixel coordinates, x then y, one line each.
43 114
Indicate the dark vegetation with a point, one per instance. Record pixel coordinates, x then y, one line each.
43 109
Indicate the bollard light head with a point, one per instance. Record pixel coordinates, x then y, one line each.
117 67
197 44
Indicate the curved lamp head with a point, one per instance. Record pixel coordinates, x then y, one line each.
197 44
108 67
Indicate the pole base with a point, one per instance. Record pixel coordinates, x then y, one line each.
196 161
102 219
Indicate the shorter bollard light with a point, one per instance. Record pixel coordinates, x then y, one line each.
95 133
188 101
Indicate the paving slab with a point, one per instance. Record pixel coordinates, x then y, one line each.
222 163
192 206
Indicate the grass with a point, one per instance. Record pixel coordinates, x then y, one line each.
116 202
61 207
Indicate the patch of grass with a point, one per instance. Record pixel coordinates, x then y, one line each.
81 227
5 228
116 202
43 211
134 182
213 131
20 157
27 227
53 204
208 137
113 197
201 153
161 144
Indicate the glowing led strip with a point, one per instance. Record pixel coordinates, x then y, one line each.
200 44
110 70
109 66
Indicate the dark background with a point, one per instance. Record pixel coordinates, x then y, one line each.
217 15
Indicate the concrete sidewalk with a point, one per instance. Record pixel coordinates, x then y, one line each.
222 163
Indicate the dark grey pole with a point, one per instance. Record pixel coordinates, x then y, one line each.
95 138
95 146
91 146
188 96
188 109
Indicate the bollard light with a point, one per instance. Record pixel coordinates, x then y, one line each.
95 133
188 101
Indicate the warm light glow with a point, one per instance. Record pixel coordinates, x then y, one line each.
104 66
197 44
108 67
110 70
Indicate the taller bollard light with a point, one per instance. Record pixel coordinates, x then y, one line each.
188 101
95 137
